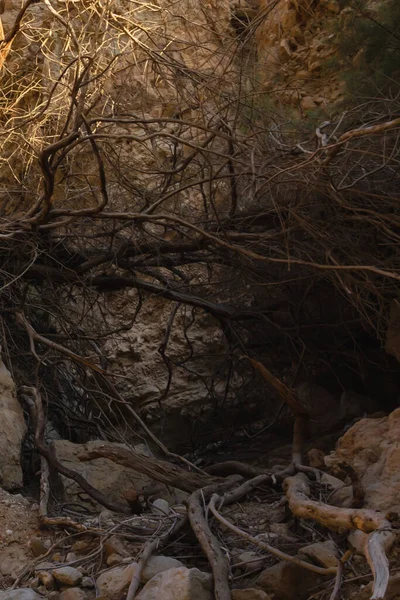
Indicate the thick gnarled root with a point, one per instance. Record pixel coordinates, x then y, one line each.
374 533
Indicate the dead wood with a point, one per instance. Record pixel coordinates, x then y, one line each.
144 557
159 470
252 540
287 394
210 545
379 539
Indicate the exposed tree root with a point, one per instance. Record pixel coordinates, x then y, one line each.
379 534
278 553
144 557
210 546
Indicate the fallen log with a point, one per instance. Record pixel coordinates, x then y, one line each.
377 530
154 468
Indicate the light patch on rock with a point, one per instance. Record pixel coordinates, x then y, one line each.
372 448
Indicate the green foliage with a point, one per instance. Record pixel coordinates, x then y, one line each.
369 48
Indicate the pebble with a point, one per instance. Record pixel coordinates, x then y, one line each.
87 582
47 580
68 576
160 506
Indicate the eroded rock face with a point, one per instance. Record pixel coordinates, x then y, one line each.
372 448
12 431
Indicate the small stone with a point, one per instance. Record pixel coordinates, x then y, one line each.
249 594
47 580
53 596
81 546
251 559
160 506
34 507
57 557
73 594
115 546
68 576
87 582
158 564
34 583
332 482
114 559
321 553
283 532
43 566
37 547
71 557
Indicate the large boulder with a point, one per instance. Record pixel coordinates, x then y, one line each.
106 476
372 448
178 584
12 431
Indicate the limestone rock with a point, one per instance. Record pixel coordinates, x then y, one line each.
287 581
113 584
37 547
20 594
178 584
12 431
321 553
371 447
115 546
108 477
47 580
160 507
114 559
342 497
249 594
252 560
67 576
158 564
73 594
87 582
332 482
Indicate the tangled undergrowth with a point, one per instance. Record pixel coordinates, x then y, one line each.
129 164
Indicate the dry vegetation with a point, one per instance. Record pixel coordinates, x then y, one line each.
137 154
